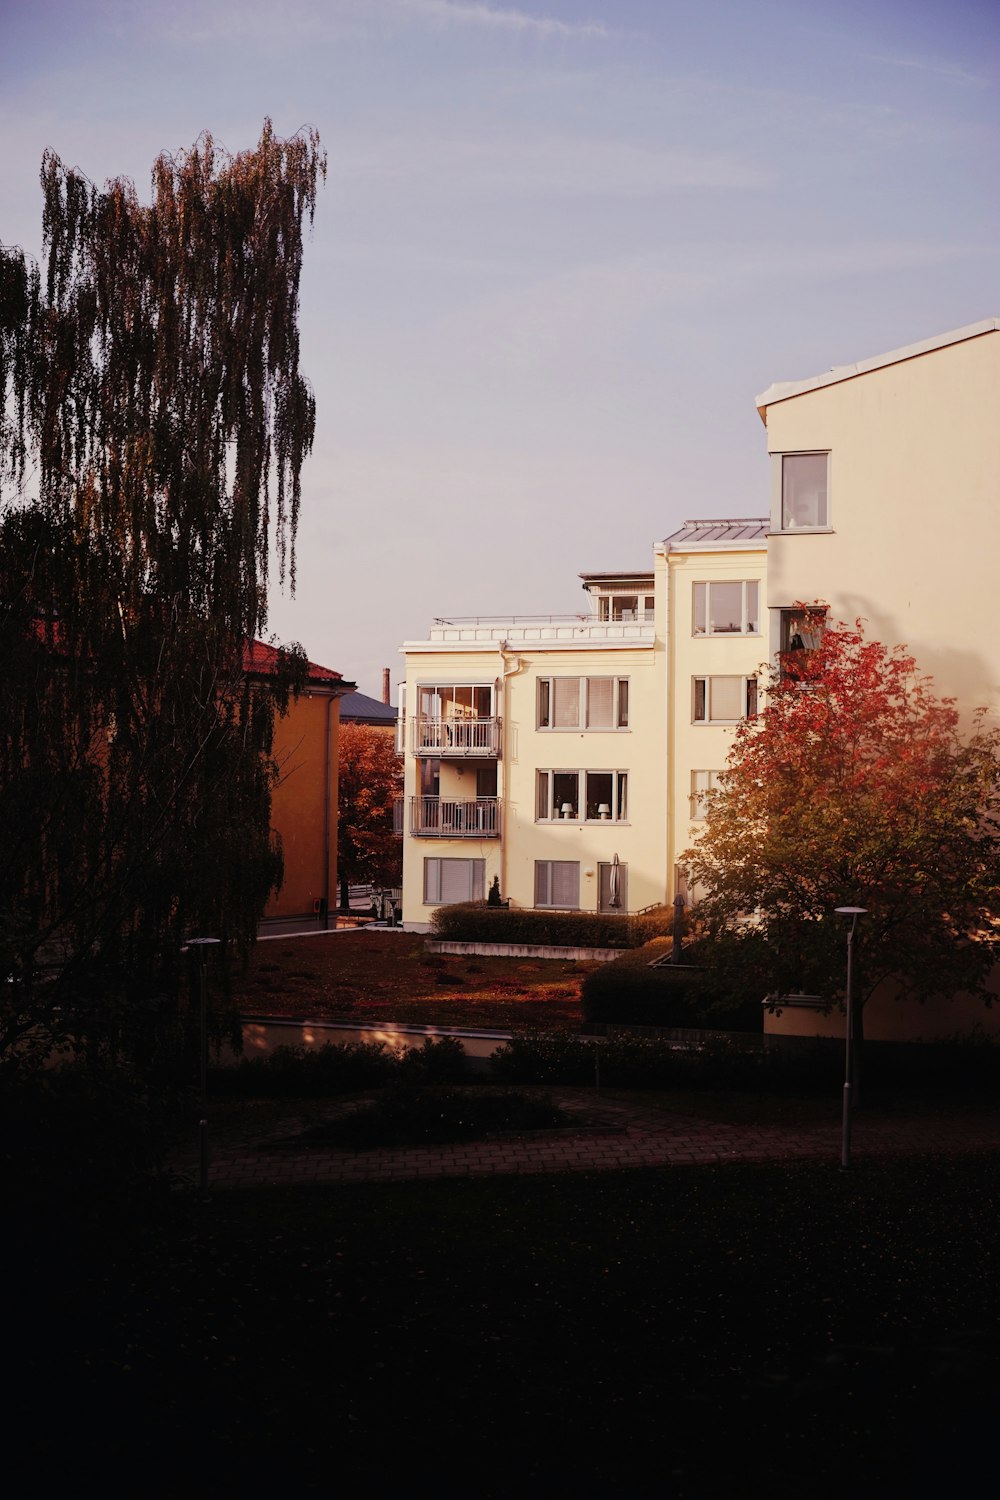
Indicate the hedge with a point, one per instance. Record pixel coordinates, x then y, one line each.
476 922
630 991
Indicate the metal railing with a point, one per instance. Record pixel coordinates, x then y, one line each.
440 817
456 737
507 619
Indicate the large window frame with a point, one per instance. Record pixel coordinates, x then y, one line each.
554 879
804 490
581 795
595 705
702 782
435 876
709 695
705 613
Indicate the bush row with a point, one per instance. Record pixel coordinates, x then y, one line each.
629 991
476 922
339 1068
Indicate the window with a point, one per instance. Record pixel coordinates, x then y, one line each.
804 490
439 701
583 703
724 700
627 608
557 883
801 633
449 880
727 608
702 782
612 889
604 796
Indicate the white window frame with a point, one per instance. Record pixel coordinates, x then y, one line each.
432 879
706 585
702 782
545 865
617 807
545 701
748 697
779 496
643 614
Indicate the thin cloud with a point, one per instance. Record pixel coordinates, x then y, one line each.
947 70
475 13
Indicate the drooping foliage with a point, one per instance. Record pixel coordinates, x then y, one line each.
154 428
855 786
370 781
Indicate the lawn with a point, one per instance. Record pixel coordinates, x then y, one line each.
694 1332
387 976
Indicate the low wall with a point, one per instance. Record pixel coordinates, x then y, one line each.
525 950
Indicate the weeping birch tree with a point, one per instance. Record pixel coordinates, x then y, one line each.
153 428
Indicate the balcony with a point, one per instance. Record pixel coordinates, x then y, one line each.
457 739
441 818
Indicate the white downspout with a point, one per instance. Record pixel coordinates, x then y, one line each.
515 667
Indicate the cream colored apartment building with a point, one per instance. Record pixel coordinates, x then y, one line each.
539 750
567 756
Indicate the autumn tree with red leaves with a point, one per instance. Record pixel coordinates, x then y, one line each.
855 786
371 778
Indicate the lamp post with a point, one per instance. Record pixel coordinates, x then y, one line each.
854 912
202 945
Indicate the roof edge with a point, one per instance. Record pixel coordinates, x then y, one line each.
784 390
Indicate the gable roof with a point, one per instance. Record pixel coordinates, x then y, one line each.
784 389
260 658
358 708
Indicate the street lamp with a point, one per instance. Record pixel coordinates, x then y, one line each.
202 945
854 912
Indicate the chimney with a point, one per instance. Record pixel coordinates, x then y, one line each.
385 685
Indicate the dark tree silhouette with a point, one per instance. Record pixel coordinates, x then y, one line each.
153 428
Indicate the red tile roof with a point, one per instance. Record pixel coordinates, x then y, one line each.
261 658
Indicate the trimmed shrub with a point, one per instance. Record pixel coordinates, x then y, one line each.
653 1062
629 991
300 1072
476 922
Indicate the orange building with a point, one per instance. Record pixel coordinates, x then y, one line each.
304 803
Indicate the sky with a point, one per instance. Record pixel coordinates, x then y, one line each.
561 248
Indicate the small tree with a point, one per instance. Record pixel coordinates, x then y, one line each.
371 778
855 787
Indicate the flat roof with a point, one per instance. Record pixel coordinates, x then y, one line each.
783 390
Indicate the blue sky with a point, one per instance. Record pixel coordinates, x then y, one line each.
561 248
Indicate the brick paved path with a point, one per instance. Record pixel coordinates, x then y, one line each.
624 1136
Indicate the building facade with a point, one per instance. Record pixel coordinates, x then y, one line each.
564 756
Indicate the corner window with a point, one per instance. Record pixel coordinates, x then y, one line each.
583 703
727 608
702 782
723 700
804 491
557 883
447 881
581 796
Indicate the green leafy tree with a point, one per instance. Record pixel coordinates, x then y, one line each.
854 786
371 779
153 428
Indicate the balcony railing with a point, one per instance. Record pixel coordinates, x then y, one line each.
456 737
439 817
